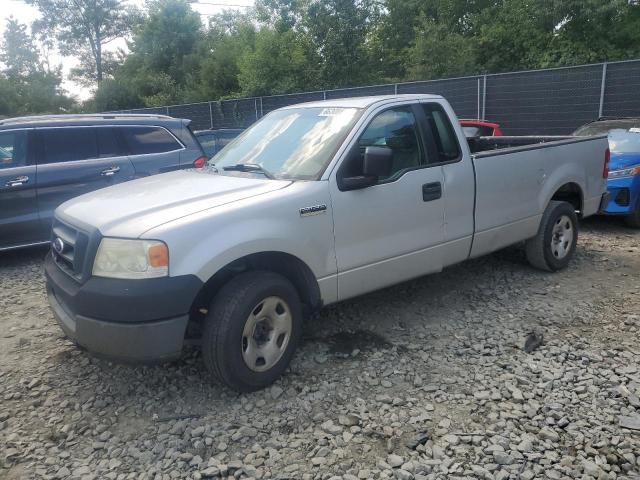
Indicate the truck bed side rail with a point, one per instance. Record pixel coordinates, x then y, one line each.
487 146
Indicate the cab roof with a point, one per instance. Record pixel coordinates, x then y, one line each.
363 102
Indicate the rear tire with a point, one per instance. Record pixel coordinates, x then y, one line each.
252 329
633 220
554 244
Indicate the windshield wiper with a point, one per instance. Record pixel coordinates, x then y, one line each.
250 167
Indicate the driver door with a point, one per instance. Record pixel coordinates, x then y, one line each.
391 231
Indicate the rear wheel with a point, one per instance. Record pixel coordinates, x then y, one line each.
554 244
633 220
252 330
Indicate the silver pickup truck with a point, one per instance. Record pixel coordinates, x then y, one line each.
313 204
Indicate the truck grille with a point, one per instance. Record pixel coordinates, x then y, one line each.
69 248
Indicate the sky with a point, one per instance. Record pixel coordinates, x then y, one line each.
27 14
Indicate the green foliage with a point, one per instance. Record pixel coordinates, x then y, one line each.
27 84
283 46
83 27
280 62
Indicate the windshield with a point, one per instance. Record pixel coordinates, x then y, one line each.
295 143
624 141
602 127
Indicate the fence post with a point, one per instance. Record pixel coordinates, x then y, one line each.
478 103
484 97
210 115
167 108
603 85
395 88
261 111
324 94
255 101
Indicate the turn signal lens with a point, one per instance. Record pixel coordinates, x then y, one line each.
158 255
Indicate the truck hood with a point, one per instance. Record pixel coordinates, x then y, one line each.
129 209
623 160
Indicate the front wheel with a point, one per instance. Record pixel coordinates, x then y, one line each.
633 220
554 244
252 330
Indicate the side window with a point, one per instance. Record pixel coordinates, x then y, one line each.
208 143
13 149
397 130
68 144
225 138
443 134
107 142
144 140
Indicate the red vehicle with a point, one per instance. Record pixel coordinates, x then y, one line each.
480 128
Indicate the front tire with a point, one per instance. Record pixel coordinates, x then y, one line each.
252 329
633 220
555 243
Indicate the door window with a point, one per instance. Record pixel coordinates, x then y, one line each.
442 132
146 140
68 144
107 142
397 130
13 149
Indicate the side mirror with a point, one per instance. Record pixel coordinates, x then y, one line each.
377 161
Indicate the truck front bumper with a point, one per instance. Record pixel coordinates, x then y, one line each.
624 195
123 320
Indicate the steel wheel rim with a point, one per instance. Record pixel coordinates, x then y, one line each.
562 237
266 334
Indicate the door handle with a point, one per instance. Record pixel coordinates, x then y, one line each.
16 182
431 191
107 172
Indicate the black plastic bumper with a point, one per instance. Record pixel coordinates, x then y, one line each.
125 320
604 202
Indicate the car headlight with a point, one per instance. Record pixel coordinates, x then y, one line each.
625 172
135 259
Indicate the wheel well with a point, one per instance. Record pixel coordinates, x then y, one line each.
289 266
571 193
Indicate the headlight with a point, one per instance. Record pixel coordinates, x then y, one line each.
119 258
625 172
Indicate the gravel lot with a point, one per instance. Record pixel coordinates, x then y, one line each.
424 380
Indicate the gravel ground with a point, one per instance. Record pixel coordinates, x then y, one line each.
427 379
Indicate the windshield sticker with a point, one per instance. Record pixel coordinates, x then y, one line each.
634 130
330 112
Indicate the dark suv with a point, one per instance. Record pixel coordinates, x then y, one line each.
47 160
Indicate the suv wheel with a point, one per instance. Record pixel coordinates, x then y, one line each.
554 244
252 330
633 220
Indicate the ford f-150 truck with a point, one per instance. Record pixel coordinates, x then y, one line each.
313 204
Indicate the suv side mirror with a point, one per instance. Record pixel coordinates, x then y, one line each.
377 163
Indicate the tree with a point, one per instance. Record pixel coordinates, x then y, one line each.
19 53
281 62
26 86
83 28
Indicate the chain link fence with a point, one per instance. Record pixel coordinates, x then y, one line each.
536 102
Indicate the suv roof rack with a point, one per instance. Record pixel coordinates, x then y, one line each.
80 116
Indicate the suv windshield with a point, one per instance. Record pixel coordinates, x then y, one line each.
295 143
602 127
624 135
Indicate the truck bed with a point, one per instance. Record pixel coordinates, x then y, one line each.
517 176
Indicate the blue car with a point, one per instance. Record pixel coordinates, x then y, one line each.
624 166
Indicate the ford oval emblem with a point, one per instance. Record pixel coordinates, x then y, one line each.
58 245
